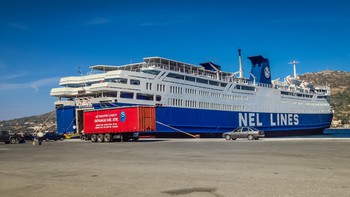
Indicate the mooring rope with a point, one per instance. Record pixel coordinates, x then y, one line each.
47 119
176 129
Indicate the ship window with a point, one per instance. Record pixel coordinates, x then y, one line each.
214 83
75 85
127 95
199 80
240 87
190 78
223 84
158 98
110 94
148 97
176 76
148 86
134 82
153 72
287 93
248 88
121 80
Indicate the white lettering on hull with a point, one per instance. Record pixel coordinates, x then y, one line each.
256 119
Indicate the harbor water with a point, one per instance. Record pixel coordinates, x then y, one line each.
337 133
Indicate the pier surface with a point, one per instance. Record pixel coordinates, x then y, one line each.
178 167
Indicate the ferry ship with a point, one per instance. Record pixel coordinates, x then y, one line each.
197 99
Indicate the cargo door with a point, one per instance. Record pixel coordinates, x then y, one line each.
147 118
79 114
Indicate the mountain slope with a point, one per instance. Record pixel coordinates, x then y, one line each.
44 121
339 81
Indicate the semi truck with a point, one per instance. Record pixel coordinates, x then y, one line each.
122 123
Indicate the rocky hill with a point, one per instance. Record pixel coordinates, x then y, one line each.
339 81
32 123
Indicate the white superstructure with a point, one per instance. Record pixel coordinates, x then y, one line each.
164 82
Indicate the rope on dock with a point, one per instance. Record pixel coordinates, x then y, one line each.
47 119
176 129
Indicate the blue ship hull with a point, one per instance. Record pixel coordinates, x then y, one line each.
212 123
198 121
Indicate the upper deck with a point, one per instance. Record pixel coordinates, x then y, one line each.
153 63
168 64
210 72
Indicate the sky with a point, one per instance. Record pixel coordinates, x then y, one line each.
42 41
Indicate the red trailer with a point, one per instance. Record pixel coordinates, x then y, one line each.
121 123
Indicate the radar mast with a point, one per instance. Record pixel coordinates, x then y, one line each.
294 63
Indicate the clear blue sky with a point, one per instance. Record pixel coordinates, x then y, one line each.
42 41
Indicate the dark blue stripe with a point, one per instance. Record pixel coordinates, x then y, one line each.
214 121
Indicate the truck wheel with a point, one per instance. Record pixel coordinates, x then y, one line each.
107 137
135 138
13 140
93 138
100 137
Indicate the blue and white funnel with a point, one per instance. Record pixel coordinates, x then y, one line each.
260 69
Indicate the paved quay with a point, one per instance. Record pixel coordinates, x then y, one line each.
178 167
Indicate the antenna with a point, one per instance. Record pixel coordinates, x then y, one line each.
240 64
79 71
294 62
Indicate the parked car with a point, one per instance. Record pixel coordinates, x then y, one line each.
8 137
244 132
53 136
26 135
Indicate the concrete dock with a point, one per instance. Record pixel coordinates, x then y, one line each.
178 167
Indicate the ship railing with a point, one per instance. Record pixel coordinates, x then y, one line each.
199 71
264 85
132 67
196 71
248 82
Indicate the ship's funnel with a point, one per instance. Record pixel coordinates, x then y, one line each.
260 69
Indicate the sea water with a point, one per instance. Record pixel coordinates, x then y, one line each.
337 133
